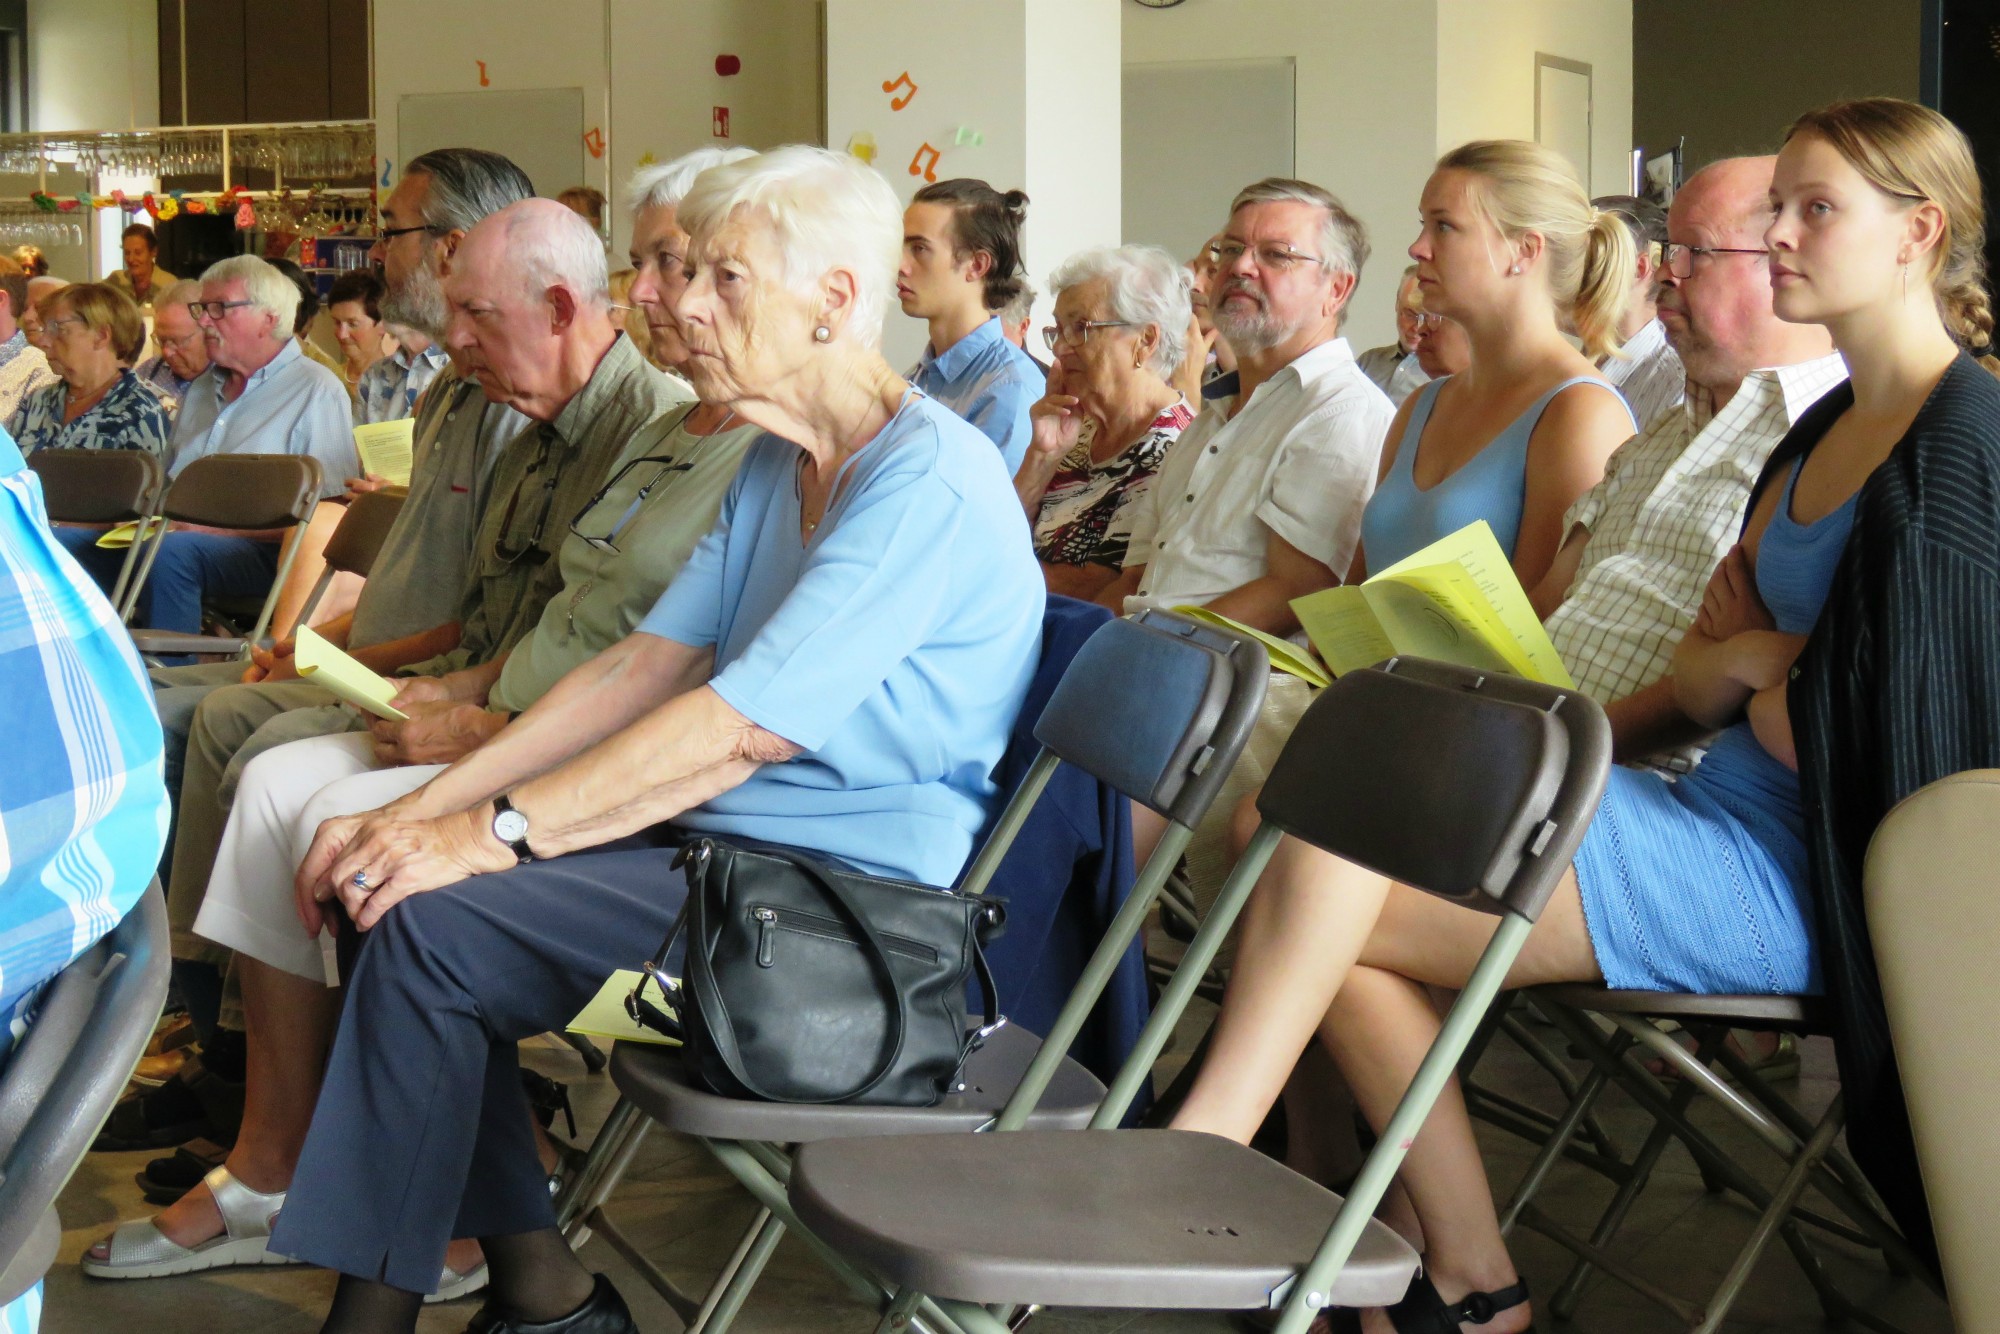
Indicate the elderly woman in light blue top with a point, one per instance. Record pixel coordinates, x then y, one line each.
837 667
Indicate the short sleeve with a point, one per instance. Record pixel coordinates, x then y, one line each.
690 610
870 594
1320 480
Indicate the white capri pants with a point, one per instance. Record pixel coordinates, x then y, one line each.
284 795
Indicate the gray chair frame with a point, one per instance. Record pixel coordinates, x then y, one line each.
95 1019
247 492
1616 1030
94 486
1360 778
1093 720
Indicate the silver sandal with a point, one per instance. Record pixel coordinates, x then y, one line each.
139 1249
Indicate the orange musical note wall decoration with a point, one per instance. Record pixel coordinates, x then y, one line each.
900 81
594 141
927 170
484 82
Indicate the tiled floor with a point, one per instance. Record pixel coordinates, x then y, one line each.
685 1212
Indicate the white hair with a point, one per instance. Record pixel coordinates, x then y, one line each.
828 210
185 292
1145 285
665 184
265 285
557 247
1022 305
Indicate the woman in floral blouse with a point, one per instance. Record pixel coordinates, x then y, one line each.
94 334
1111 411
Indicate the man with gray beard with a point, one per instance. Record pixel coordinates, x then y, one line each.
1260 501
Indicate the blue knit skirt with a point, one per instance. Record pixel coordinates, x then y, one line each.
1700 885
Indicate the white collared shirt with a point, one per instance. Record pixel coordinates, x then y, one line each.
1298 460
1669 508
1648 372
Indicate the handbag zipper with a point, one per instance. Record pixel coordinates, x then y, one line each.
770 922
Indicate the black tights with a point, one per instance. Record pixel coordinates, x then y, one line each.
535 1278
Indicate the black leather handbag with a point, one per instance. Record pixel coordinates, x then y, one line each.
807 983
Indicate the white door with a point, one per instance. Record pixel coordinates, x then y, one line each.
1562 111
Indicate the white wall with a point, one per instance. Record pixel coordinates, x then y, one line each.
1074 146
1486 73
1367 89
93 64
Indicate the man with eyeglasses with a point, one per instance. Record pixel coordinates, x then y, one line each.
1642 544
1260 501
23 367
182 352
1393 366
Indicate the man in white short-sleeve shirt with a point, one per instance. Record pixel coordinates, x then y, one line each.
1260 500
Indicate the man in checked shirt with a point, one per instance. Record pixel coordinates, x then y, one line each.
1641 545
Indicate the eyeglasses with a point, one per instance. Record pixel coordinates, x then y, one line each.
1272 255
609 541
1078 332
1680 259
1429 323
507 546
214 309
182 340
54 327
388 234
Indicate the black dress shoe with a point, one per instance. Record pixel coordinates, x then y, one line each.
604 1313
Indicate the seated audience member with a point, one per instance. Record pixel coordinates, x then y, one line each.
307 312
587 202
390 389
355 303
622 551
258 396
1742 877
142 278
1218 362
1393 366
39 290
95 332
1646 370
631 319
1640 545
82 811
962 262
1260 500
1111 411
32 261
712 718
1442 347
1510 250
1016 316
181 353
24 367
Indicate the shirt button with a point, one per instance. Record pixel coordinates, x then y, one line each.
1215 449
1163 546
1190 499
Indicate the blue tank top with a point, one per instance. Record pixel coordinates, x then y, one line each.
1491 485
1795 568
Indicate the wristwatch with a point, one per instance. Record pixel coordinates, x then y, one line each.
511 828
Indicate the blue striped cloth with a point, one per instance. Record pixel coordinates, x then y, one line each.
83 806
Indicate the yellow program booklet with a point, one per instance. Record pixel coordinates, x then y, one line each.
1457 601
1285 655
387 448
125 534
323 664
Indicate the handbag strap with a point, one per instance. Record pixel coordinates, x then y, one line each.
723 1035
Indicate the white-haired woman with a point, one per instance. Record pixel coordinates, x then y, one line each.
1111 411
837 667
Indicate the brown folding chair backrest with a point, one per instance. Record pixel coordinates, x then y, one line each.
248 491
363 529
97 485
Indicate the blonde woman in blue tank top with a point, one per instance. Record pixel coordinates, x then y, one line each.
1702 884
1512 251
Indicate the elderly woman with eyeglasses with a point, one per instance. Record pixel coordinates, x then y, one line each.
1111 412
837 667
94 334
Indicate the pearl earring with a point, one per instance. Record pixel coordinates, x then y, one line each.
1515 270
822 334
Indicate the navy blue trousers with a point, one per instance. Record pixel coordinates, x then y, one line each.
421 1133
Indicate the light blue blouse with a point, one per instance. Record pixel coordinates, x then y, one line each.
989 382
895 646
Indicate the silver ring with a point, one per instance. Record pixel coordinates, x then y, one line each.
361 879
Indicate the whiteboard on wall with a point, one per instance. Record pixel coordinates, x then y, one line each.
539 129
1195 133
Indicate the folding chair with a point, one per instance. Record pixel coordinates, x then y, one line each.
1614 1030
1157 707
1930 885
95 1020
246 492
97 486
1166 1219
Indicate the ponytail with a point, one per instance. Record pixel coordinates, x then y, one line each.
1609 257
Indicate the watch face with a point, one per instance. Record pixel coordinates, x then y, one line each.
510 826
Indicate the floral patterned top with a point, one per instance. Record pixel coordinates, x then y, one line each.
131 415
1078 523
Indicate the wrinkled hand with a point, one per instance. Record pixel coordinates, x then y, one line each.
361 486
275 663
412 691
1056 420
1731 605
402 856
437 732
